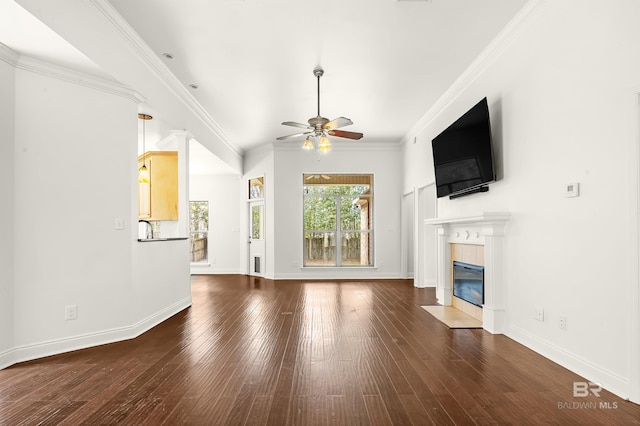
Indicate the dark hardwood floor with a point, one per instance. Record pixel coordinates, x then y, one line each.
257 351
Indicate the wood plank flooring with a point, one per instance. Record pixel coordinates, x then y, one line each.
252 351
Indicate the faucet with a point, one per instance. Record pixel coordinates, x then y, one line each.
149 228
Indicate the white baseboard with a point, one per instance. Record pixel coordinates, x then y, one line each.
594 373
427 284
203 270
83 341
329 273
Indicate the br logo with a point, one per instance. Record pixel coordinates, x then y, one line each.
582 389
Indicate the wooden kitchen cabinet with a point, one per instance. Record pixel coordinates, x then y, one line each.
158 200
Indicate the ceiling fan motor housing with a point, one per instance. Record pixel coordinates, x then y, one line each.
317 122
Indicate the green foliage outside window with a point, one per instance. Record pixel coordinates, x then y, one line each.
337 220
320 206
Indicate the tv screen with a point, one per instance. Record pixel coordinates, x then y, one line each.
462 154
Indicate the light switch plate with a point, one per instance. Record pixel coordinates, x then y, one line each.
572 189
118 223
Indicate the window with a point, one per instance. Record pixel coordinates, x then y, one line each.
256 188
257 222
199 231
338 220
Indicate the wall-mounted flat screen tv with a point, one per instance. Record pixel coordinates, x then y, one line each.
463 156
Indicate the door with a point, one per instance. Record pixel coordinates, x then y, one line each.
256 238
407 235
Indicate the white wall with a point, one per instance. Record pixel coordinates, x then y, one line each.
74 148
561 99
223 194
7 98
290 163
75 173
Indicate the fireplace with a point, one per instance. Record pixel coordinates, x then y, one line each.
468 282
476 240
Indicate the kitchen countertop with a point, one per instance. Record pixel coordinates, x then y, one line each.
153 240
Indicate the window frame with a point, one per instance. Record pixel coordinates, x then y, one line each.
338 232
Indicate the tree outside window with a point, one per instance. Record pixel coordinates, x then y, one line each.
338 225
199 231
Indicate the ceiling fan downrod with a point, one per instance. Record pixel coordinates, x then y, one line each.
318 72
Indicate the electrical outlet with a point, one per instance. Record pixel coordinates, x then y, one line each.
562 322
70 312
539 313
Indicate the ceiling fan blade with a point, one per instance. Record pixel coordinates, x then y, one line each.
343 134
337 123
281 138
294 124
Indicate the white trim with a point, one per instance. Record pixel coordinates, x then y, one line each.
8 55
329 273
634 254
592 372
484 218
82 341
339 145
69 75
38 66
337 268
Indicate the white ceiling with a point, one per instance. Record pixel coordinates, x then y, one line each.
386 62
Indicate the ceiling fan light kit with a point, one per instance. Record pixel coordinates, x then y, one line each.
321 127
308 144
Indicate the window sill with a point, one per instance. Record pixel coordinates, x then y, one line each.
341 268
200 265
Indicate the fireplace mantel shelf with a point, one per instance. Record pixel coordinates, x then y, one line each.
486 217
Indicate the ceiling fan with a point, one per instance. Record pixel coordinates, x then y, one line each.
321 127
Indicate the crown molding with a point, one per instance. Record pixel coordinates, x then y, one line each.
160 70
8 55
69 75
175 136
342 145
493 51
58 72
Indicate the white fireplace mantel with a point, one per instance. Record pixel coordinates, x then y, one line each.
485 229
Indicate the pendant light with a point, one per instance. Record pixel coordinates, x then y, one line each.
143 173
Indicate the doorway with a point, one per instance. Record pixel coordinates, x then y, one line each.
256 238
256 261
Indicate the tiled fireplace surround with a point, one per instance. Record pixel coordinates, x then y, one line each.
458 235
